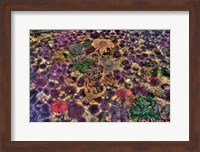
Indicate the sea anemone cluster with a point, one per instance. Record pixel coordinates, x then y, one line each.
100 76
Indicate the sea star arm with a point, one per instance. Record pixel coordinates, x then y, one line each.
91 101
101 93
88 87
85 90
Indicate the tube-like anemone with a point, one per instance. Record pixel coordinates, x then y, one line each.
80 82
93 109
70 90
117 54
45 108
75 111
154 81
95 35
89 49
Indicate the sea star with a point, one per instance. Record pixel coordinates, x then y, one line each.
89 94
109 65
102 45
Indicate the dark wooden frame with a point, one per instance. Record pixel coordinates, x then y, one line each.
6 6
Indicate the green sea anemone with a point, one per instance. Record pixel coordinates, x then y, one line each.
154 72
81 66
143 109
166 72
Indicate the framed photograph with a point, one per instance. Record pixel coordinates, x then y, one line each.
99 76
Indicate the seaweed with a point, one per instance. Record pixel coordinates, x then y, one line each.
155 71
144 102
81 66
144 109
166 72
148 113
76 49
